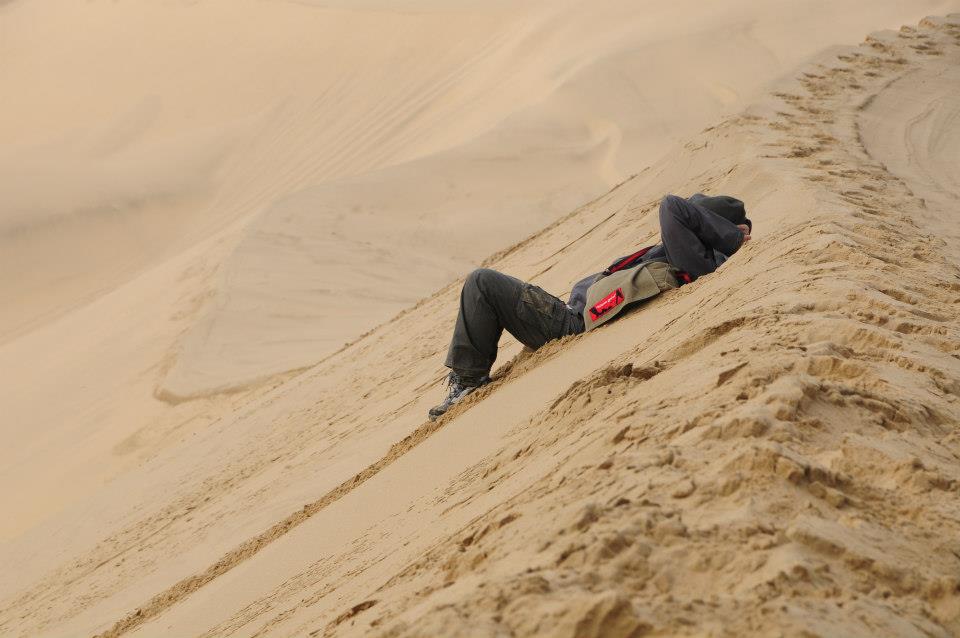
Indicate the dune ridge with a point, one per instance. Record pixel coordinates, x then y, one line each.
772 448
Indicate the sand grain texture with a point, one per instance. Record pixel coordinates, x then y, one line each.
773 448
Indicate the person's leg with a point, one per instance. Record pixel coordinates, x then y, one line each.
690 233
491 302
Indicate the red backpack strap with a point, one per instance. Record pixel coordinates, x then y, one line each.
628 261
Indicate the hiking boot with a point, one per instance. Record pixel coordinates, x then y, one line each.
460 387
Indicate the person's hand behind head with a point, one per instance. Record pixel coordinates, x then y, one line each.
746 232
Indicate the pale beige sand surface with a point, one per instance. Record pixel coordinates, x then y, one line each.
771 449
192 189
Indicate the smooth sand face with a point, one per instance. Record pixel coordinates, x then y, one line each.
203 197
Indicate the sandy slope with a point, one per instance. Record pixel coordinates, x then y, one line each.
186 186
773 448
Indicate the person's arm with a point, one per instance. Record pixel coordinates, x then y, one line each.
715 231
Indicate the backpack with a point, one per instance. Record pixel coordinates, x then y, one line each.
627 281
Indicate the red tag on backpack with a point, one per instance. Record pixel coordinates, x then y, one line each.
607 304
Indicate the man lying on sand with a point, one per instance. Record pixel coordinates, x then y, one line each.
698 235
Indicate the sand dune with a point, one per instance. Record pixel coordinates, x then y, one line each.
773 448
920 144
187 185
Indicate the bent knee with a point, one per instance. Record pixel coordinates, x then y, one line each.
671 205
479 276
673 210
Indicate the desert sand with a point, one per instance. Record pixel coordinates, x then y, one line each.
192 236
